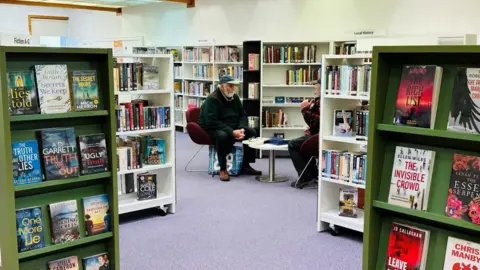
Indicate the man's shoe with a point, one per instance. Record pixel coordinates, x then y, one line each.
224 176
305 181
248 170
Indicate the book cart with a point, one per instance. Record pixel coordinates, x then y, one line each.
23 127
164 96
384 137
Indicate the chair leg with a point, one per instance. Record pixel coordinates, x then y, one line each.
196 153
305 169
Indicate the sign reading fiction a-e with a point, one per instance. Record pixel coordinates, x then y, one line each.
19 40
22 41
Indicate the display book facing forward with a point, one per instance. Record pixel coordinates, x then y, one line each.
346 123
55 153
135 151
138 115
50 89
94 262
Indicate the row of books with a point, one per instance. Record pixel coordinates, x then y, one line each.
64 222
274 118
95 262
235 71
198 88
135 76
227 54
137 115
52 89
157 50
253 61
302 76
346 166
284 100
58 158
197 55
145 185
202 71
196 102
346 48
352 80
349 122
178 102
133 152
290 54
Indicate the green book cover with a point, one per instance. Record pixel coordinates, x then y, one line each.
85 90
22 93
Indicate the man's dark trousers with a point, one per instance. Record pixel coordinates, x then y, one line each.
224 143
299 160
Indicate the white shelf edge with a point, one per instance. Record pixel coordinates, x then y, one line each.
283 128
144 92
198 79
293 64
228 63
146 168
143 131
333 96
200 63
350 140
128 203
347 56
143 56
342 182
288 85
332 217
293 105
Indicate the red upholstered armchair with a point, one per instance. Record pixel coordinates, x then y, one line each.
197 134
310 148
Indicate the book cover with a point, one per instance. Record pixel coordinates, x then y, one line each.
463 199
411 177
147 186
59 153
415 96
64 223
407 248
97 262
53 88
85 90
26 163
342 123
22 93
70 263
155 151
97 214
462 255
150 77
348 202
93 153
29 229
465 104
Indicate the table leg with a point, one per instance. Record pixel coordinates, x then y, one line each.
271 177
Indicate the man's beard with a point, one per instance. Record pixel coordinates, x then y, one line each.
230 95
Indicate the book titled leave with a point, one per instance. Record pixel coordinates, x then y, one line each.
411 177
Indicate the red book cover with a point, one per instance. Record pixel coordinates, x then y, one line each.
415 96
128 106
405 248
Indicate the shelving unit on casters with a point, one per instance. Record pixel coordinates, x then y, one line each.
327 217
166 186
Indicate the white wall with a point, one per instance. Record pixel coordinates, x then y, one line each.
232 21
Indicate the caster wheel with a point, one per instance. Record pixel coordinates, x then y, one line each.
162 212
334 230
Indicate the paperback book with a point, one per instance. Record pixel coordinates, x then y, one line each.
59 153
147 186
461 255
348 203
22 93
155 151
97 214
26 163
463 199
411 177
342 123
85 90
64 223
30 228
97 262
70 263
53 88
407 248
93 153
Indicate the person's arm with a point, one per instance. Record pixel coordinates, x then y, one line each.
212 121
311 115
242 121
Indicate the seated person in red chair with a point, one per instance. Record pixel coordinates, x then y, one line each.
223 118
311 115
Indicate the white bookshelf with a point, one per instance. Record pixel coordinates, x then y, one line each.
166 181
329 189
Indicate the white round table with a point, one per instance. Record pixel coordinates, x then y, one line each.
271 177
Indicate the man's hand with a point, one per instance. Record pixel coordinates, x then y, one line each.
305 104
307 132
238 134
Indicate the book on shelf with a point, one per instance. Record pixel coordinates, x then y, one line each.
290 54
178 72
343 123
465 104
22 93
138 115
463 199
177 87
53 88
407 248
417 96
93 153
69 263
64 224
84 90
191 54
30 228
136 151
155 151
198 88
350 167
253 61
411 177
135 76
302 76
348 202
195 102
97 214
253 90
59 153
96 262
348 80
361 121
204 72
235 71
26 163
127 183
178 102
345 48
147 186
274 118
461 254
227 53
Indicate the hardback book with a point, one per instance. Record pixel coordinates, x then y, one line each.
30 234
348 202
93 153
342 123
64 223
53 88
85 90
465 104
26 163
128 183
411 177
97 214
22 93
461 255
69 263
407 248
97 262
417 96
146 186
59 153
463 199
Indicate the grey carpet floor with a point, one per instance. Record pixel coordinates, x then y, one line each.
242 224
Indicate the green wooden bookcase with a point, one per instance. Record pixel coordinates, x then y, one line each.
14 128
384 136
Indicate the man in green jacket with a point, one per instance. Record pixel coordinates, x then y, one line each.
223 118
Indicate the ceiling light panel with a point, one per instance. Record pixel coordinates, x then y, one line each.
102 3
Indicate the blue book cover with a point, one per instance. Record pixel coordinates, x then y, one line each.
29 229
97 214
155 151
59 153
26 163
64 223
97 262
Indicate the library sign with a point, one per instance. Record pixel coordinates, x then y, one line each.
19 40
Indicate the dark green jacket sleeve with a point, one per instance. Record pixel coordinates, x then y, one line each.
243 121
212 122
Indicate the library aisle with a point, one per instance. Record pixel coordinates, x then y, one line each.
243 224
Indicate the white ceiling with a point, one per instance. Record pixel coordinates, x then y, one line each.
101 3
